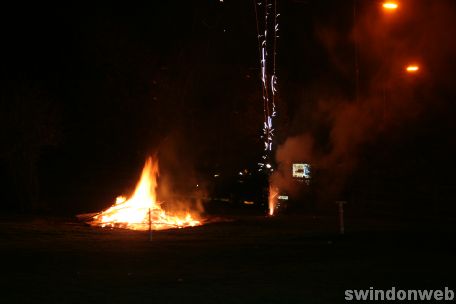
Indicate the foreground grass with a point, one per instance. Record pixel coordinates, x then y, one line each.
250 260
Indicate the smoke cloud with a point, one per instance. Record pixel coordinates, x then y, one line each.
180 188
336 129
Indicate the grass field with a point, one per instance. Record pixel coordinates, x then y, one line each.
252 259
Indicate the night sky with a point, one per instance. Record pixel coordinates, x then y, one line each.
89 91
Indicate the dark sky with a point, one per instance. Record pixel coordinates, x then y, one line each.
113 84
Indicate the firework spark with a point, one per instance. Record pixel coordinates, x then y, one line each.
269 81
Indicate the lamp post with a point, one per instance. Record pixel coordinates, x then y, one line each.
388 7
340 205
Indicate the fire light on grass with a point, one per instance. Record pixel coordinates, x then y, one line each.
142 209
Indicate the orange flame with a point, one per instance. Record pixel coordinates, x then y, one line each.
142 209
273 196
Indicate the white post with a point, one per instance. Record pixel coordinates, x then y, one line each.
150 226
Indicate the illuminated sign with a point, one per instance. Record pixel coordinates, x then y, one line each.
301 170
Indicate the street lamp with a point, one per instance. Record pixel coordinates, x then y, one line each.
412 68
390 6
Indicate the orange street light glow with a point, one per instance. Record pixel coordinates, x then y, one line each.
390 5
412 68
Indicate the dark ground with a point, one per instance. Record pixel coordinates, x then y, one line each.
253 259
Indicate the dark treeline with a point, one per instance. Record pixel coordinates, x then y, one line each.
88 92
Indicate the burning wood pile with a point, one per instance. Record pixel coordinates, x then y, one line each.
141 211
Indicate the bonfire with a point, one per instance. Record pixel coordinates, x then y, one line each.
141 210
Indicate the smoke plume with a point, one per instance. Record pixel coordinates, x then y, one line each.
336 129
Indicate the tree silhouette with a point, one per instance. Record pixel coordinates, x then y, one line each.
28 123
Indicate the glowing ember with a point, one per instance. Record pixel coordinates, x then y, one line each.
133 213
412 68
390 5
273 196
